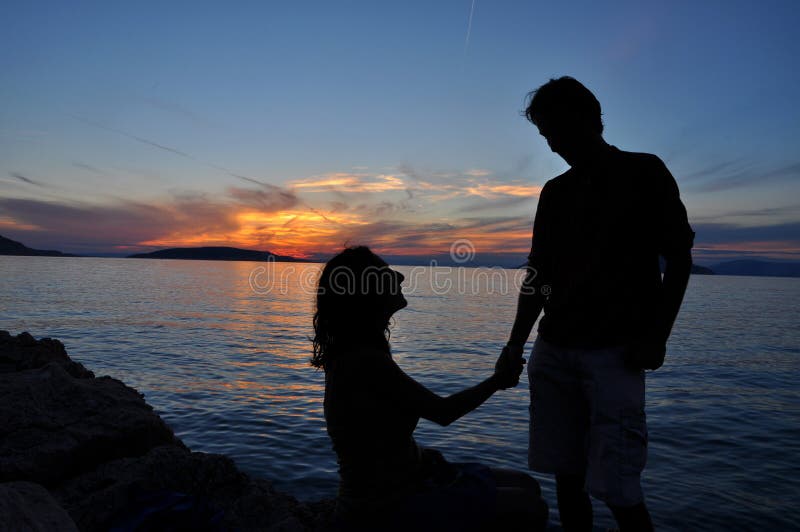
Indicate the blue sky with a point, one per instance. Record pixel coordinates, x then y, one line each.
295 126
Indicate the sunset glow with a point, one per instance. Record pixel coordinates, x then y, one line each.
334 127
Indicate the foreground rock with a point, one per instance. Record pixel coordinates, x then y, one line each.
56 425
28 506
90 452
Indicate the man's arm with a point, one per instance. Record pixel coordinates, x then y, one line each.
531 300
676 277
529 305
675 241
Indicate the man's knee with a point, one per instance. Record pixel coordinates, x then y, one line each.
632 518
570 482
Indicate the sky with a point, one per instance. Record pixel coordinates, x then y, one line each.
299 127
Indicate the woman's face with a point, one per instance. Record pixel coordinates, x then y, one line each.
390 288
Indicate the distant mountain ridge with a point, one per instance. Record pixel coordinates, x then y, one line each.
749 267
759 268
12 247
215 253
702 270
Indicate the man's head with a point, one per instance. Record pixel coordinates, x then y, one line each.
568 115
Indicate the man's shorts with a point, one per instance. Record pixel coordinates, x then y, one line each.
587 417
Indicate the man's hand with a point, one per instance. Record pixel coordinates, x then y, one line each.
645 355
508 367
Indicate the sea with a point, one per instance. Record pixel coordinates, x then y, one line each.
221 351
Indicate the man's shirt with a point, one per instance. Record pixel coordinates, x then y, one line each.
597 237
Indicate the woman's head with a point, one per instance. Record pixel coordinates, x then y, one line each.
357 293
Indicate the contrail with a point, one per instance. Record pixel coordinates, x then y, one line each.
269 186
469 27
134 137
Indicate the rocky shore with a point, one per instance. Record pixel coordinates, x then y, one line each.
79 452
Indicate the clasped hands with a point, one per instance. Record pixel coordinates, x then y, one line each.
509 366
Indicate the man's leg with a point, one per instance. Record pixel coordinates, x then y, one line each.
617 437
574 505
632 518
559 421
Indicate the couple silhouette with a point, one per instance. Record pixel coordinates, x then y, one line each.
594 269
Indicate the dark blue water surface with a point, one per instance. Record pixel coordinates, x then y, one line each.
221 350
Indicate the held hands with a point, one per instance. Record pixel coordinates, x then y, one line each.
508 367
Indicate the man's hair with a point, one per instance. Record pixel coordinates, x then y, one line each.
564 95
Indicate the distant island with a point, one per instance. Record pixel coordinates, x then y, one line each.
12 247
696 269
748 267
758 268
215 253
702 270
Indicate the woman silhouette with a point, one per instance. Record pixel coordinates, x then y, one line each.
387 481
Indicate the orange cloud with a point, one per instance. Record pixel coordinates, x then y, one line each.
343 182
495 191
279 219
11 224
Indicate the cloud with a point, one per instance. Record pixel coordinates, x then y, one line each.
375 195
409 171
127 223
716 233
727 241
183 219
510 234
738 173
489 205
490 190
713 170
84 166
751 213
175 151
377 209
444 192
267 200
477 172
350 183
28 180
177 109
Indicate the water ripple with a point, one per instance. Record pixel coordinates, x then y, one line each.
228 369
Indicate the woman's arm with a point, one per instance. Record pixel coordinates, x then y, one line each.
445 410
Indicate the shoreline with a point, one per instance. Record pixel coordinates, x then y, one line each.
81 452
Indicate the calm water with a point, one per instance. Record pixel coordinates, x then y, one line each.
226 366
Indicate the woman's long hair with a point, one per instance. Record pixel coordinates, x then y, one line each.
350 306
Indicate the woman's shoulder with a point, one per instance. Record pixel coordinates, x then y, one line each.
363 358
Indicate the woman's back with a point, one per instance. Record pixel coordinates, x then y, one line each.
371 428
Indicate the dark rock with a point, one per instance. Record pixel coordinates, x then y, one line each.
54 425
25 352
99 448
28 507
95 498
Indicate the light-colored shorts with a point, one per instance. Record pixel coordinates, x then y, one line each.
587 417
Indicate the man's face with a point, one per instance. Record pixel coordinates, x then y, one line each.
566 135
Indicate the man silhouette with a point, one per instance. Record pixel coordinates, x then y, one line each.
594 269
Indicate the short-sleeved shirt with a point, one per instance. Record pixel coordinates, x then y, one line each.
597 237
